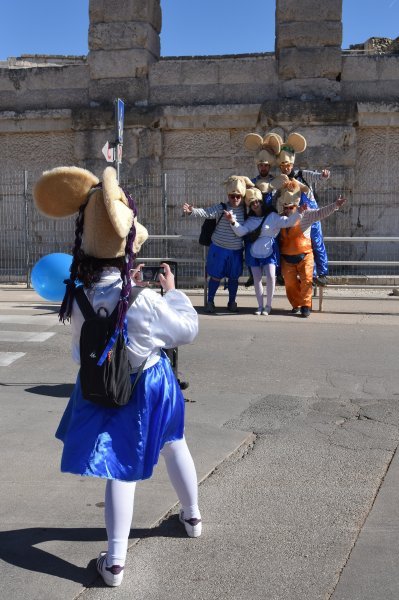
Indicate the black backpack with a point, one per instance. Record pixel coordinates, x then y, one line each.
207 229
104 365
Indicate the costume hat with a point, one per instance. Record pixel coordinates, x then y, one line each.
237 184
290 196
252 194
266 149
294 144
107 216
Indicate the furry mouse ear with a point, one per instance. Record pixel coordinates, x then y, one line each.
248 183
297 142
115 201
60 192
272 142
253 142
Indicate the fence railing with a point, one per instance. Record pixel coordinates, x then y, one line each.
26 235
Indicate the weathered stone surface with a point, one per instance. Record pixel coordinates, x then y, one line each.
196 143
287 112
339 136
35 121
106 11
119 63
309 34
118 36
248 71
48 150
309 62
377 114
131 90
373 91
150 143
308 10
240 117
310 89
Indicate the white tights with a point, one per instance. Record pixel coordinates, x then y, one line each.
119 499
270 272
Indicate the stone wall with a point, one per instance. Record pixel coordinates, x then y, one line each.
192 113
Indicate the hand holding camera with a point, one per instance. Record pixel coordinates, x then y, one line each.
148 276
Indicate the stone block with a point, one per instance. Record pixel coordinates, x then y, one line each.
204 72
370 91
311 89
119 36
119 63
51 78
150 143
338 136
196 144
237 116
309 62
359 68
287 113
165 72
130 90
247 70
106 11
308 10
309 35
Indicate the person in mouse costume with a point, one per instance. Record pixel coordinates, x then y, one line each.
296 252
295 144
225 252
122 445
266 150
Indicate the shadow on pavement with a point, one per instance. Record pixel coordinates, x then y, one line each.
57 390
18 547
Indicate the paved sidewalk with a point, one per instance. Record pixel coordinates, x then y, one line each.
301 419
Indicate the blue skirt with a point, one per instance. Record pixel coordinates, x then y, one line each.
251 261
123 443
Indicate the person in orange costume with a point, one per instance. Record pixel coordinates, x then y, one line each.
296 252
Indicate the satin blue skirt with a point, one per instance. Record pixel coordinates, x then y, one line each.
123 443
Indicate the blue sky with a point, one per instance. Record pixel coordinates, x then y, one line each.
189 28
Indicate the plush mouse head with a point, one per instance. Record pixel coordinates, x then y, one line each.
237 184
252 194
289 196
106 226
294 144
266 149
108 218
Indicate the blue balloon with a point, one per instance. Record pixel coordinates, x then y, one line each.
48 276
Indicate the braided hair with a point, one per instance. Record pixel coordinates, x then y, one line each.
79 259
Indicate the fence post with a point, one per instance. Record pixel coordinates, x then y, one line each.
165 211
27 236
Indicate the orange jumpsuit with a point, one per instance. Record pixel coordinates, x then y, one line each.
297 277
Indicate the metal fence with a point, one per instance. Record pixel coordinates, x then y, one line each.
26 236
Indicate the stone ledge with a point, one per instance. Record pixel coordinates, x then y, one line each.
378 114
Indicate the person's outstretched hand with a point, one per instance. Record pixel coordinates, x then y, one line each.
187 208
340 201
167 281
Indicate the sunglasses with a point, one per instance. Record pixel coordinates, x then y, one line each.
255 202
235 196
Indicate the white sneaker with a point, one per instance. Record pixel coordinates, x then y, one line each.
112 576
193 526
258 311
267 310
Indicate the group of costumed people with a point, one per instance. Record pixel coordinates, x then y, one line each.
122 444
279 220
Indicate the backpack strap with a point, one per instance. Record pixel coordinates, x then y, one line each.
86 308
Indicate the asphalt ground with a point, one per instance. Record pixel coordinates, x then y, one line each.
293 424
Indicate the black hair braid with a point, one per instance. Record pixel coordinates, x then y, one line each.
127 266
66 306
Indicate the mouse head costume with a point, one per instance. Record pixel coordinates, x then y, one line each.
106 225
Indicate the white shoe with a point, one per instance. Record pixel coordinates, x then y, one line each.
267 310
112 576
258 311
193 526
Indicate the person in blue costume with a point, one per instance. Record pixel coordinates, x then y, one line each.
224 259
122 445
306 179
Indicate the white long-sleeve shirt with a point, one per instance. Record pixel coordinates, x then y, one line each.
153 322
263 246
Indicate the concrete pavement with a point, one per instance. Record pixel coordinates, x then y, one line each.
299 417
